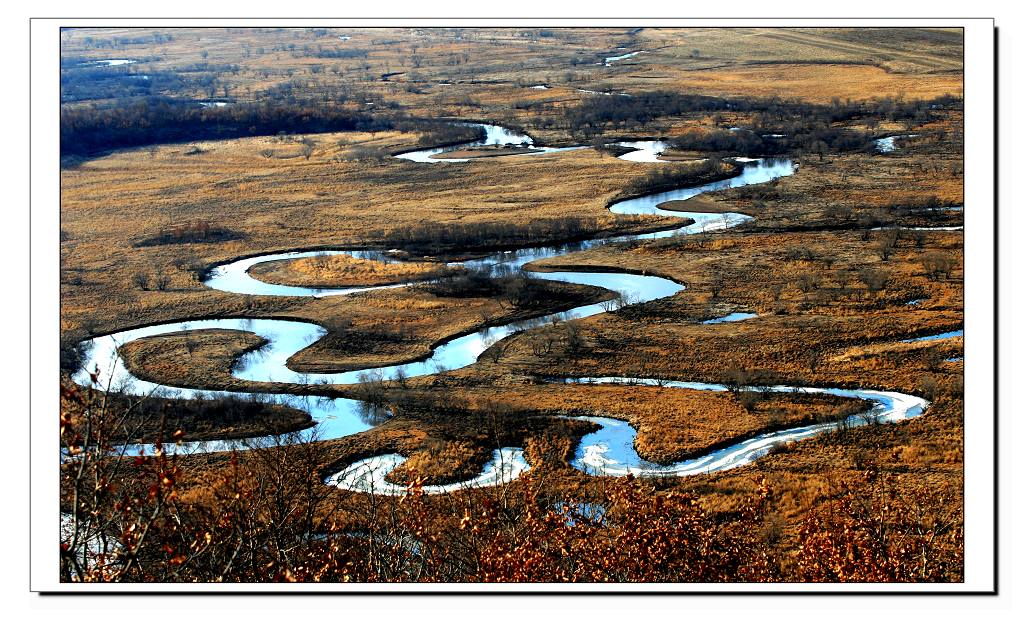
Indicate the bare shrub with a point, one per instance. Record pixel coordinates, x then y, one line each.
141 280
936 264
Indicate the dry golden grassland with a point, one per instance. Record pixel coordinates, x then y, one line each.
482 72
832 297
672 424
815 83
344 271
370 330
818 323
396 325
809 306
111 204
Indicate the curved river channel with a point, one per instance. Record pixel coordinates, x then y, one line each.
607 451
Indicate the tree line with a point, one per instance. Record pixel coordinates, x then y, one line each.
600 113
89 129
438 238
81 80
643 107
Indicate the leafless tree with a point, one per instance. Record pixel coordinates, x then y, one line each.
887 243
306 148
141 280
876 280
937 264
162 281
498 350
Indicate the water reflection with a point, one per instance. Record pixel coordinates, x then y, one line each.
888 144
958 333
373 413
645 151
493 136
729 318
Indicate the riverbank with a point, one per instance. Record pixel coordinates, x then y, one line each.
436 441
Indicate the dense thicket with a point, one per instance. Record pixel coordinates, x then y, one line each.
603 109
670 176
101 82
83 80
85 130
438 238
778 127
797 137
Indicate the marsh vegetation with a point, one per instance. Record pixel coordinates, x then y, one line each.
837 265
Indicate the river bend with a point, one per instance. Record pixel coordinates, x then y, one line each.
607 451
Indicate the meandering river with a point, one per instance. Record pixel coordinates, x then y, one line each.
607 451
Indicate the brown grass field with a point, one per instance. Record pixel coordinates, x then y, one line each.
831 295
479 74
344 271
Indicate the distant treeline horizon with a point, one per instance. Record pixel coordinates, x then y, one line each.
157 120
780 126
